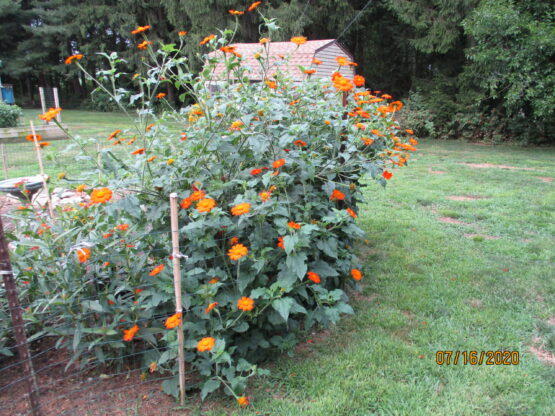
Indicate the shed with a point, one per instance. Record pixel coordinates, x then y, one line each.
326 50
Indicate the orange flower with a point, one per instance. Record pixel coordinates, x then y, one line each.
147 128
359 80
313 276
271 84
236 125
50 114
107 235
352 213
245 304
214 281
342 61
387 96
264 196
294 102
294 225
157 270
409 131
341 83
144 44
140 29
30 137
101 195
309 71
160 95
254 6
240 209
80 188
298 40
128 334
316 61
72 58
387 175
263 41
186 203
210 307
205 205
395 106
207 39
140 151
114 134
243 401
151 158
299 143
183 137
235 12
280 243
197 195
152 367
122 227
367 141
206 344
233 241
278 163
83 254
327 122
182 33
357 275
256 171
237 252
173 321
44 144
337 195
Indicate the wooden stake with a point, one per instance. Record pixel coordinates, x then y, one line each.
176 256
4 160
18 325
43 176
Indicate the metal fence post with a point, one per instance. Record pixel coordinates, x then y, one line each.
18 325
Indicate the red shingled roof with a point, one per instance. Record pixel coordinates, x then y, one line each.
301 55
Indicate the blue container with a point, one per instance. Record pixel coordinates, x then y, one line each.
7 95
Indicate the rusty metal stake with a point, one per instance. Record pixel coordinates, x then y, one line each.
18 325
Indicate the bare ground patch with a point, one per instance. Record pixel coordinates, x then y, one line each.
436 172
449 220
464 197
545 179
491 165
484 236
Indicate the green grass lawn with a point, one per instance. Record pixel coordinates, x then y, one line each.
21 157
429 288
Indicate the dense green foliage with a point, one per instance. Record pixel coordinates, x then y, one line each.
269 178
9 115
473 81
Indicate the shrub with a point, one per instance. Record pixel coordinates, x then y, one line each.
268 175
9 115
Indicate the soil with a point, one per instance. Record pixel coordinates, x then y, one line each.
81 392
464 197
436 172
485 236
491 165
449 220
545 179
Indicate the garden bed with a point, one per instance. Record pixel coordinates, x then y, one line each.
18 134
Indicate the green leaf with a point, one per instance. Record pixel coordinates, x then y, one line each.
283 306
289 242
297 264
92 304
208 387
171 386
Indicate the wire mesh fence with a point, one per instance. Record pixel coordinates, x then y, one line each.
42 372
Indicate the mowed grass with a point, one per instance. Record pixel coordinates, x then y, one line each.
22 159
430 288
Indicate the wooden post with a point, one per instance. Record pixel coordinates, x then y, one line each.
42 102
4 160
43 176
57 104
18 325
176 256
